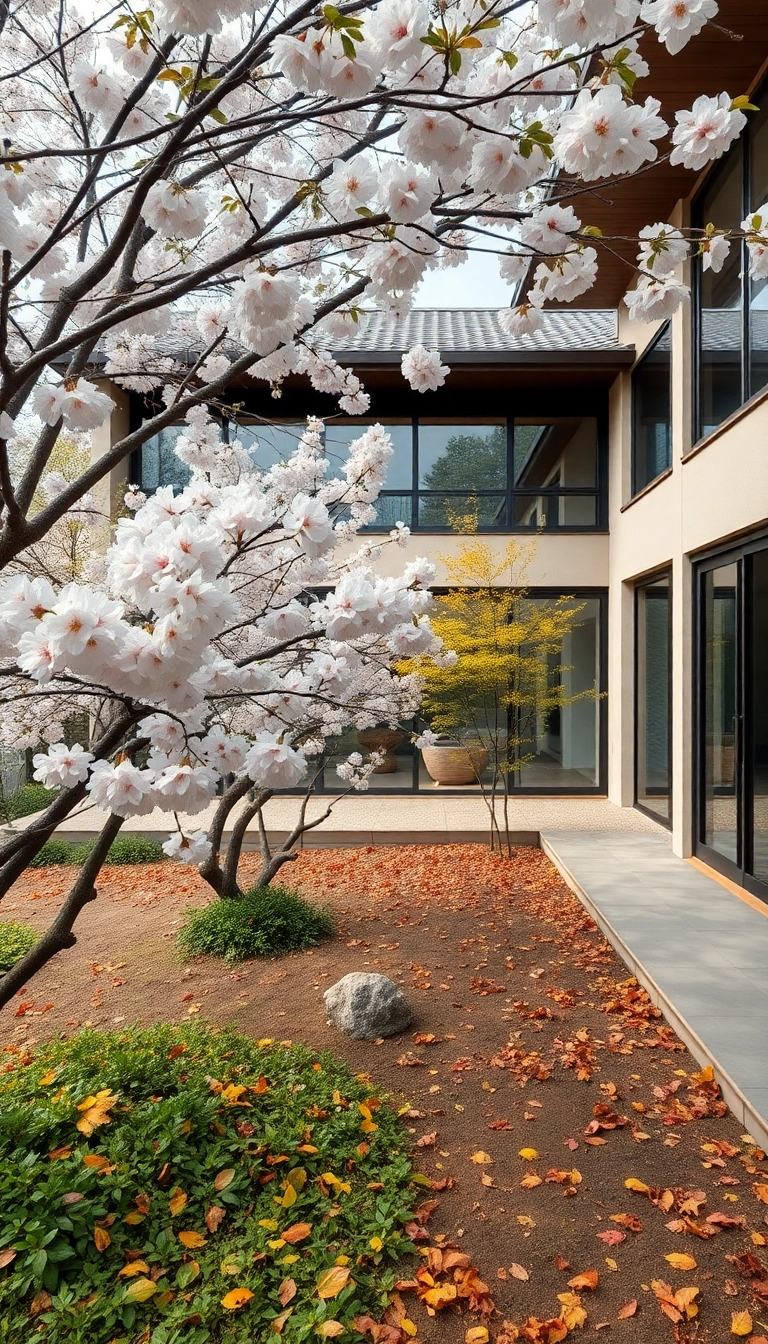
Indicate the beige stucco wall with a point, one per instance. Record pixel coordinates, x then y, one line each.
110 490
717 494
572 561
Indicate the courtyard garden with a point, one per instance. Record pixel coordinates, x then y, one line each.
190 1151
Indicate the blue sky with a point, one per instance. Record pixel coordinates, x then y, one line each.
476 284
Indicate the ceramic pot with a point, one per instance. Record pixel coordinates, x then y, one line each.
453 764
382 739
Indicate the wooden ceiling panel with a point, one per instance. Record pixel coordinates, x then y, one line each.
728 57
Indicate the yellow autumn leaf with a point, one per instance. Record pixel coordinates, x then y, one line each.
530 1181
572 1313
476 1334
94 1110
528 1154
177 1202
376 1244
741 1323
233 1092
192 1240
680 1261
632 1183
297 1178
330 1329
440 1294
224 1178
409 1326
279 1321
288 1198
332 1281
101 1238
135 1267
236 1298
47 1078
271 1224
481 1159
140 1290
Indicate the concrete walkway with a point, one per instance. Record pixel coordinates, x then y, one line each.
376 819
699 951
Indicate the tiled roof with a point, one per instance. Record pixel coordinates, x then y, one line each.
476 332
462 335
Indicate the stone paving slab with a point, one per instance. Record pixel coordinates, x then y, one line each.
376 819
699 951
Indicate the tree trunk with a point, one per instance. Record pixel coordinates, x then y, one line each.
211 871
231 887
59 935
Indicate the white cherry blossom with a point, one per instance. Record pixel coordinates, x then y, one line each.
655 298
62 766
423 370
706 131
677 21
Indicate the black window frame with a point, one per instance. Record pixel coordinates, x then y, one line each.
637 487
744 146
725 553
508 495
328 783
641 587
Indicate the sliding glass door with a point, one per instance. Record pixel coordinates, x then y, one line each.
732 821
653 698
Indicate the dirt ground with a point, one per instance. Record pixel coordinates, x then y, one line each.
538 1079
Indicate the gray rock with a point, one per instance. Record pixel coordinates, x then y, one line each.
366 1006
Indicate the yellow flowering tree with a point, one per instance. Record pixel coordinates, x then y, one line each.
508 676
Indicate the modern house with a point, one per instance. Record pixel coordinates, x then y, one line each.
636 460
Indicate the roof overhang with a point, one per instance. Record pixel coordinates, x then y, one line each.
730 54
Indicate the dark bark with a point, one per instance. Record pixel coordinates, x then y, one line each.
211 871
60 935
235 846
274 862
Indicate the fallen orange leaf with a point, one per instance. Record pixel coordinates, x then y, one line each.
589 1279
628 1309
331 1283
236 1298
741 1323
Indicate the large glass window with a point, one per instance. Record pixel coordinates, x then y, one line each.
731 327
732 832
560 742
557 724
159 463
651 413
517 475
653 698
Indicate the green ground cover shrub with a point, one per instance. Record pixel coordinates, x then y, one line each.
126 849
26 800
15 940
263 923
166 1184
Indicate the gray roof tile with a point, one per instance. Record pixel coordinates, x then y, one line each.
477 331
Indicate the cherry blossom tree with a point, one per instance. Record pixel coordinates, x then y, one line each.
217 191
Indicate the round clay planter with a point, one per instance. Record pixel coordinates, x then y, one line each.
382 739
454 764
